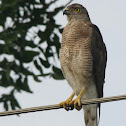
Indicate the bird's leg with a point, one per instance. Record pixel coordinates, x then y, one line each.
77 101
65 104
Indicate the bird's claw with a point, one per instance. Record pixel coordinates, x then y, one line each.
70 105
76 103
66 105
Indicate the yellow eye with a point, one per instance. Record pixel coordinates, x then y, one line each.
67 8
77 10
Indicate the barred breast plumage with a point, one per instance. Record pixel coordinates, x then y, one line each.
76 58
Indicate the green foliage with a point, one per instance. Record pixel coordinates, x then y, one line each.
28 36
57 73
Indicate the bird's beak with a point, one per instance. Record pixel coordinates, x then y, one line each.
66 12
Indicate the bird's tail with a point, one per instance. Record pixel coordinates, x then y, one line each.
90 115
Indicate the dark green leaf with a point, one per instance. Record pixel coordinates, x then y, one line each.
58 76
38 66
37 79
28 56
56 69
6 105
57 73
44 63
13 102
25 85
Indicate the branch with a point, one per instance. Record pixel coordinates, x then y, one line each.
50 107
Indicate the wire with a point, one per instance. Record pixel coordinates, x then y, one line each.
51 107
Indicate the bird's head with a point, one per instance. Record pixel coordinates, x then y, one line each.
75 12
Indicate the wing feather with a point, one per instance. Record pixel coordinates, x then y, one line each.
99 54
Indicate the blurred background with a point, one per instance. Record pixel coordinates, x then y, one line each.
30 75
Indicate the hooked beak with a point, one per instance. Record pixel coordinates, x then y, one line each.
66 12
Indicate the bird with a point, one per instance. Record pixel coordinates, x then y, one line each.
83 59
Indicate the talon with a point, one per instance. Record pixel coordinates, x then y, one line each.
71 107
79 108
70 104
66 104
77 101
77 104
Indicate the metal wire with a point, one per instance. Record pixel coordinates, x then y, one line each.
51 107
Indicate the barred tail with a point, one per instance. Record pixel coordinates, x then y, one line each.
90 115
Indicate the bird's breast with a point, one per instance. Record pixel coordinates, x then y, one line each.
75 51
76 58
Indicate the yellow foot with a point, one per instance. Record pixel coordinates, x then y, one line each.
66 104
77 101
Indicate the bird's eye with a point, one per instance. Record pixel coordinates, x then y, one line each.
77 10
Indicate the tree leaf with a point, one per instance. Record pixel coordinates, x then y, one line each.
6 105
28 56
38 66
44 63
25 85
57 73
